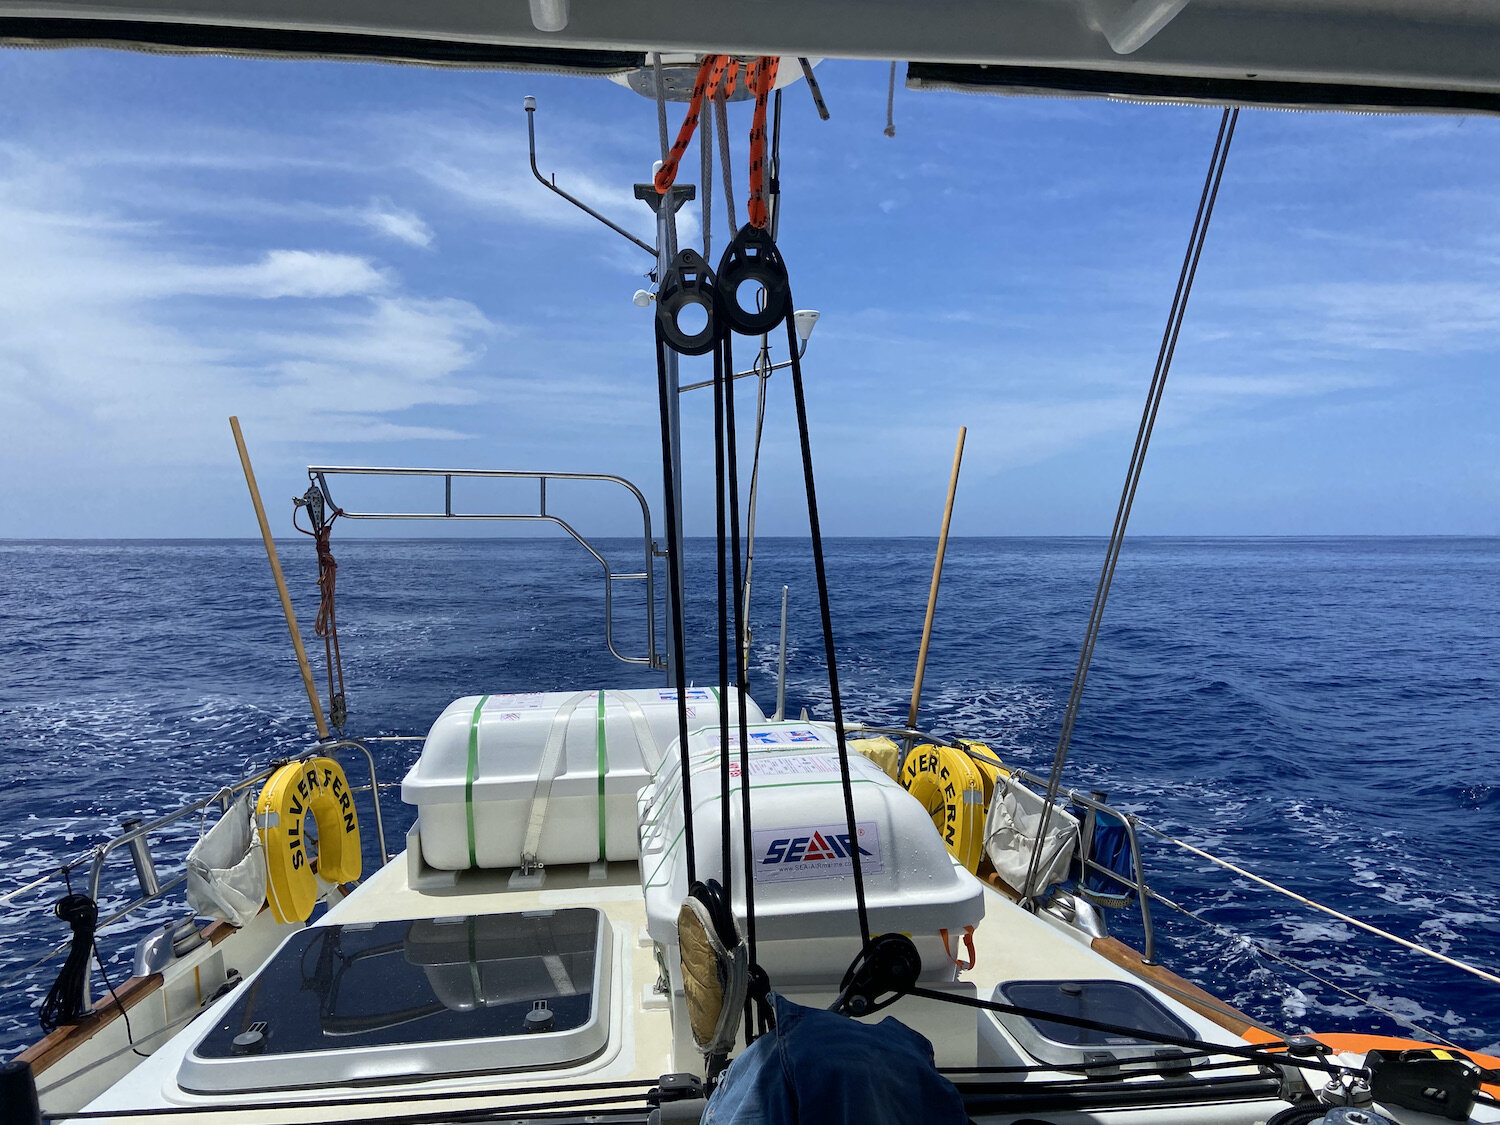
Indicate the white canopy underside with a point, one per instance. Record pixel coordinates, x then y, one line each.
1425 54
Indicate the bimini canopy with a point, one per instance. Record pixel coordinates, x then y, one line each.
1379 54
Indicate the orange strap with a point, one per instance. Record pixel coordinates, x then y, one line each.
968 940
666 175
761 80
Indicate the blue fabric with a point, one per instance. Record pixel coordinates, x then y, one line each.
1110 848
820 1068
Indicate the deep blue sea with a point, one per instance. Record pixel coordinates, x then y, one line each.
1321 711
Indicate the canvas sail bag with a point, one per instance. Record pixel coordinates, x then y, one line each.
226 870
1010 836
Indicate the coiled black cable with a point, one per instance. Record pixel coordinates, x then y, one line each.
64 1003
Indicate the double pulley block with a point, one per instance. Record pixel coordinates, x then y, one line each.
750 268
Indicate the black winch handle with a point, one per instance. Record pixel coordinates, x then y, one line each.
689 281
752 256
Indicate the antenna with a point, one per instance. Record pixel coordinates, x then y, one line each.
551 185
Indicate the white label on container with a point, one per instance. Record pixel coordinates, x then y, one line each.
503 716
518 701
818 851
788 765
669 695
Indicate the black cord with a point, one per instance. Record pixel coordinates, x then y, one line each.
827 615
674 576
726 872
742 686
124 1015
1258 1054
64 1001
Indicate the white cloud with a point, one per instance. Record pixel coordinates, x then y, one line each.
280 273
110 353
395 222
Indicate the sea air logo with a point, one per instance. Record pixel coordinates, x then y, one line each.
818 851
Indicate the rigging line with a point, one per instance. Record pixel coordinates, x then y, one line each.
719 487
706 175
775 167
741 684
814 88
674 576
520 1111
726 164
1426 951
826 612
1257 1053
661 104
1201 219
890 103
763 379
763 368
44 879
762 80
1298 967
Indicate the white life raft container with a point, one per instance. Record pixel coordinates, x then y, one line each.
805 919
549 776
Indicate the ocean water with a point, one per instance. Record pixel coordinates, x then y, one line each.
1321 711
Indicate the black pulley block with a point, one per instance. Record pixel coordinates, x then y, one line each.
689 281
883 972
752 257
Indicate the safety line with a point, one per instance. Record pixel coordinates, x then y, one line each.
1295 967
1474 970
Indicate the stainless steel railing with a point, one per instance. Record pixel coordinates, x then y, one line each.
319 474
135 840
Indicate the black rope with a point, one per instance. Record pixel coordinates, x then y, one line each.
611 1105
719 486
674 576
742 686
64 1002
1164 355
1259 1054
824 609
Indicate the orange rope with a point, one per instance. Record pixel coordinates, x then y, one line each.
666 175
762 79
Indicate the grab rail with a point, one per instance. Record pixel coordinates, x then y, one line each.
319 475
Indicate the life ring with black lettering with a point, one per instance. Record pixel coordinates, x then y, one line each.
317 786
951 789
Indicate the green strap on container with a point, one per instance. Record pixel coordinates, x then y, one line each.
603 769
469 777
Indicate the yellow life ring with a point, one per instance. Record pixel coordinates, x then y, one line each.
951 789
987 762
318 786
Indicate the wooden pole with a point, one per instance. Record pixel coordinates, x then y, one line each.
286 598
937 577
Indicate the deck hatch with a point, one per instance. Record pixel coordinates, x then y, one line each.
1105 1001
405 999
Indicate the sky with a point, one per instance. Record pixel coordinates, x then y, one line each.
355 261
